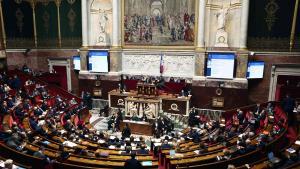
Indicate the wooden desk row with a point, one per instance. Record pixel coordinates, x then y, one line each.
242 159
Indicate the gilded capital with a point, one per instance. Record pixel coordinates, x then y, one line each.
32 3
57 2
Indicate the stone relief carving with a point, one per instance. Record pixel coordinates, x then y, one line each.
141 64
179 66
176 66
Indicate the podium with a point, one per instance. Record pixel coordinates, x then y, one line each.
141 106
150 105
146 89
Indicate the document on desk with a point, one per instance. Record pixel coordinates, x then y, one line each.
69 144
147 163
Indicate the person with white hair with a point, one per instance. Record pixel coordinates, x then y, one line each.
8 164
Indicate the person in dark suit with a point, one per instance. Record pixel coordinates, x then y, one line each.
40 153
192 117
166 145
196 136
203 148
240 116
118 120
111 121
16 83
133 163
288 104
126 132
143 150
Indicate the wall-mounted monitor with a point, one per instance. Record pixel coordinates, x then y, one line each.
220 65
255 69
98 61
76 62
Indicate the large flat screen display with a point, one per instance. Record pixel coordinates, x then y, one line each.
220 65
76 62
255 70
98 61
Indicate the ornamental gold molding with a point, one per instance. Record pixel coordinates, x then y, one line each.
18 1
19 20
71 2
72 19
216 7
46 19
271 8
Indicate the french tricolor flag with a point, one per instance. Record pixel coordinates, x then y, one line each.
161 67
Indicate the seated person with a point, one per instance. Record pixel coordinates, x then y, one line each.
166 145
40 153
73 101
111 122
249 147
133 163
135 117
37 111
202 148
226 155
44 105
143 150
15 142
101 154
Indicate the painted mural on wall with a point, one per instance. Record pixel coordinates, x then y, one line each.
100 23
159 22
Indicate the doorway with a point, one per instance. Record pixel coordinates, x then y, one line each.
62 68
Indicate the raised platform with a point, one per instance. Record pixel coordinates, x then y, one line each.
137 127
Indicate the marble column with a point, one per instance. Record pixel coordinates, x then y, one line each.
199 63
200 45
116 50
242 64
83 60
116 27
244 23
84 23
201 23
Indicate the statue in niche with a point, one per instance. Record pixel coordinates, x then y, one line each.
103 21
221 16
103 36
222 35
